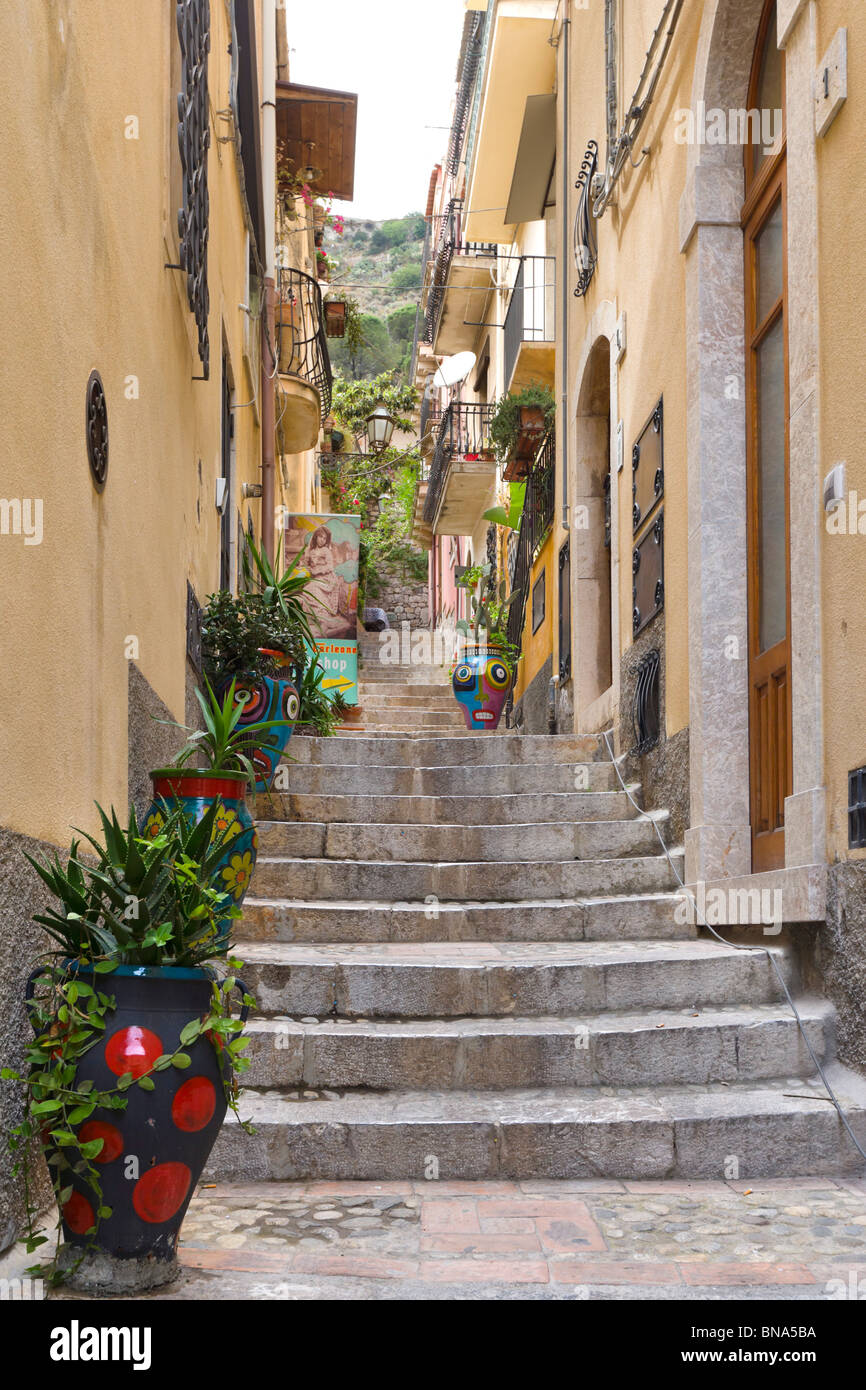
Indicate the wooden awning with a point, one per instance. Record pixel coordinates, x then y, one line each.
318 127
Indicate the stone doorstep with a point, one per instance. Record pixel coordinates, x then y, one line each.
615 1048
506 809
442 979
686 1132
802 890
640 917
401 880
538 841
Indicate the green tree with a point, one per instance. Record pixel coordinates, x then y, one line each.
407 277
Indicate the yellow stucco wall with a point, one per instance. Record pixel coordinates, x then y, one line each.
86 227
641 271
537 646
842 302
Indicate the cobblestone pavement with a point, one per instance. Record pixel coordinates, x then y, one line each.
801 1238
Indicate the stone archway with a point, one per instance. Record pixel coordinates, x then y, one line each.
718 843
594 566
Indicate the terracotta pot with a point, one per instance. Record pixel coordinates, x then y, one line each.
481 680
154 1150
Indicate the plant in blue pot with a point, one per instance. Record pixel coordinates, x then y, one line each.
137 1048
260 638
221 774
483 672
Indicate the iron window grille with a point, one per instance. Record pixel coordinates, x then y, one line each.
857 808
193 136
646 718
648 468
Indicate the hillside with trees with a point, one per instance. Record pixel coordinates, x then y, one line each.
381 266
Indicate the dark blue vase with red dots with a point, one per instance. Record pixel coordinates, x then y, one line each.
155 1149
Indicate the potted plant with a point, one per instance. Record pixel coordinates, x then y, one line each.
323 265
484 669
261 639
518 426
136 1048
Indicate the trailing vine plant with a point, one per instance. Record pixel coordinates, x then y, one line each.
144 901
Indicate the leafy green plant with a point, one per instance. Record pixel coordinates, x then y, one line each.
352 402
222 743
316 707
144 901
509 516
238 632
489 621
505 420
280 592
141 902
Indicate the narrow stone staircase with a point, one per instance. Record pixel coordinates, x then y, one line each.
471 963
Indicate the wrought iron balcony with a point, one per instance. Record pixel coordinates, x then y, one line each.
531 316
302 347
463 438
448 243
470 61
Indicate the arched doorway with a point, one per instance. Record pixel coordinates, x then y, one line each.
592 542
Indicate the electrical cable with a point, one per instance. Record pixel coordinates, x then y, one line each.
741 946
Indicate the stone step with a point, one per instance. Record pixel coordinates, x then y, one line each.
781 1129
444 979
496 780
642 917
540 842
649 1047
448 750
389 719
450 810
437 696
404 881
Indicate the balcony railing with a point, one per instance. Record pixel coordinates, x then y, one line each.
466 90
463 433
302 347
448 242
535 522
531 316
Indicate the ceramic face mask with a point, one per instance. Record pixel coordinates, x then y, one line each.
481 682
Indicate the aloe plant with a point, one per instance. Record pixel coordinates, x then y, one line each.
143 901
222 742
281 592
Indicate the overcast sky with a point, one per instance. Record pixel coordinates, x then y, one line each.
400 56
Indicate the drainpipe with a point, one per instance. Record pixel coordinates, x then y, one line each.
269 181
565 39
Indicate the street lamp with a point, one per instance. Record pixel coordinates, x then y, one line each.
380 427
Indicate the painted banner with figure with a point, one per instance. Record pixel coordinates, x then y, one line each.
329 549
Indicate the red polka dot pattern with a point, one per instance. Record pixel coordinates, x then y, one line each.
79 1214
112 1139
132 1050
194 1104
160 1192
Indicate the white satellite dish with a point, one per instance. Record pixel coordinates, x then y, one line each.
454 369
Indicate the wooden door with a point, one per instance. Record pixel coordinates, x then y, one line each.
768 525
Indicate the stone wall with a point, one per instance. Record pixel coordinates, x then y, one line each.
663 771
152 743
836 958
405 600
530 713
21 894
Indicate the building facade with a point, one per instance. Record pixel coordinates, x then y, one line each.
704 544
159 405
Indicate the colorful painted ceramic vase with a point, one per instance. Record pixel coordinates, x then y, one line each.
481 681
154 1151
265 698
195 790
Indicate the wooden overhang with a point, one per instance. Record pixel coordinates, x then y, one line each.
318 128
